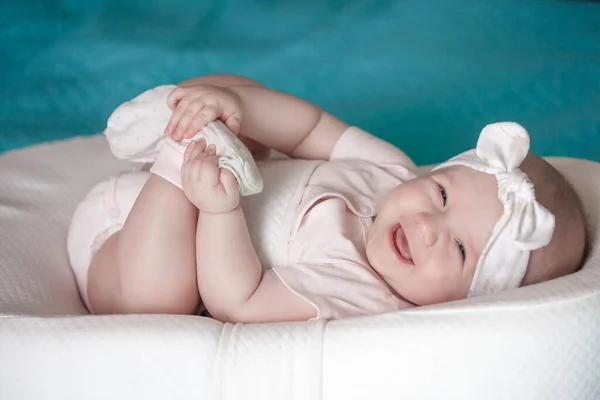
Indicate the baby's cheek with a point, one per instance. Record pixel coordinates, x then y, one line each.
440 286
420 287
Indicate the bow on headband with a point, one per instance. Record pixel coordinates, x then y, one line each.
525 224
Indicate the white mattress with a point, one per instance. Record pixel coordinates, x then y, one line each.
540 342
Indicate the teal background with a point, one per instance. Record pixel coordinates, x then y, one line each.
426 75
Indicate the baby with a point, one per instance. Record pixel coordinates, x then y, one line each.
343 227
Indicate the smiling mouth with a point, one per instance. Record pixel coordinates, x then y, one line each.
399 243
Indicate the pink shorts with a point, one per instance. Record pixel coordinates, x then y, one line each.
102 213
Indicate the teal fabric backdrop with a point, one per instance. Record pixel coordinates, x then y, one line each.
424 74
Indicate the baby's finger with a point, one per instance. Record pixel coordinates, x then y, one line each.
209 174
193 171
211 149
201 119
188 172
195 126
186 118
173 100
175 96
177 114
204 117
188 151
201 143
211 113
232 122
194 149
230 184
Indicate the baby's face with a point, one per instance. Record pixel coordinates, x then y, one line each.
430 232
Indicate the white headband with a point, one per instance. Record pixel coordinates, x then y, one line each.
525 224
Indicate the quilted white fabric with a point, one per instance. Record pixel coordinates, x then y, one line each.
540 342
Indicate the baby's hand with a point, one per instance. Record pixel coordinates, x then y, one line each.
210 188
195 107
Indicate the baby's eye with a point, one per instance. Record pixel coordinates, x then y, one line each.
444 195
461 248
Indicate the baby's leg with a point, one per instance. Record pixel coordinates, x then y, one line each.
149 266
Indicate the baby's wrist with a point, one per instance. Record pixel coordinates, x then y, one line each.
219 212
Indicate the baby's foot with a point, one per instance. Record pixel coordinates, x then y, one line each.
135 129
135 132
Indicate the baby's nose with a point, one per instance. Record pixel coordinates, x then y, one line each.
428 227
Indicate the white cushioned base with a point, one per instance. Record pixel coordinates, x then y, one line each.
540 342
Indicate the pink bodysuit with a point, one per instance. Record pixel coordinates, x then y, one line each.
309 224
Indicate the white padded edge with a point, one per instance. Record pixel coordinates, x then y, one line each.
531 343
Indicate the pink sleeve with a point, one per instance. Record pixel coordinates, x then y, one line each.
356 143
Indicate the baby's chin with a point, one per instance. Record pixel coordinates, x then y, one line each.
420 295
431 293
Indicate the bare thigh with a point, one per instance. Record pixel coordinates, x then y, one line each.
149 266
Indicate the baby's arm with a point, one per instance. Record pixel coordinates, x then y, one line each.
287 123
277 120
231 279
